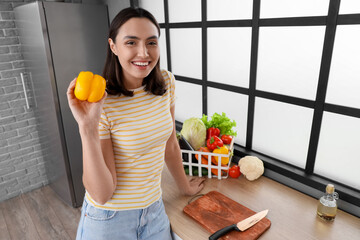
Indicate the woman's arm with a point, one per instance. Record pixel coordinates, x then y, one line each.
173 161
99 175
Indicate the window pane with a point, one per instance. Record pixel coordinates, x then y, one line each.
344 84
186 52
188 101
156 7
293 8
229 52
349 6
338 151
163 55
219 102
289 60
184 11
282 130
220 10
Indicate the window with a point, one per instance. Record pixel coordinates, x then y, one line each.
288 73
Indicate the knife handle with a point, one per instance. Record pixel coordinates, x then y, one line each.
223 231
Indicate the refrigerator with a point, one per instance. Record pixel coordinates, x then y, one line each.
58 40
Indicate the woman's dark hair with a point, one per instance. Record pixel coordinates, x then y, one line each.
112 72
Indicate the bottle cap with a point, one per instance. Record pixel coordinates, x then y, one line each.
330 189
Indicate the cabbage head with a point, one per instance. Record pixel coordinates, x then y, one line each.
194 131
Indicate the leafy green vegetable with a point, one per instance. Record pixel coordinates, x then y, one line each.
221 122
194 131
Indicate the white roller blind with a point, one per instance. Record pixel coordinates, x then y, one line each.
349 6
162 45
289 60
186 52
344 78
188 101
338 155
184 11
293 8
229 9
282 130
229 51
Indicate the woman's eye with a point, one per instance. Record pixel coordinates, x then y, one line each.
130 43
153 43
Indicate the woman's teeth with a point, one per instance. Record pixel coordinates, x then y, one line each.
141 63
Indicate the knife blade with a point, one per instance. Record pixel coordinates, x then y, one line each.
240 226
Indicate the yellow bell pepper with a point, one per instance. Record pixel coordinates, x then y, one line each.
221 150
89 86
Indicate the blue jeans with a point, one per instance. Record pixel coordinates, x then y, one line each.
150 223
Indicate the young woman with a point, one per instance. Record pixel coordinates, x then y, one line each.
127 135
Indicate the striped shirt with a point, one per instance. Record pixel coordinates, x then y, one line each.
139 127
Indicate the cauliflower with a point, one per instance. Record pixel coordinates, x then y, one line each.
251 167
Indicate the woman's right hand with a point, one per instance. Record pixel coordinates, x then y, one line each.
85 113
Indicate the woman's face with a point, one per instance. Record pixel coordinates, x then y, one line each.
137 48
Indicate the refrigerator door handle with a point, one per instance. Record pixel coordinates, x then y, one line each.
33 89
24 88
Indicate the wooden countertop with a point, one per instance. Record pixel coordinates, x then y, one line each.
292 213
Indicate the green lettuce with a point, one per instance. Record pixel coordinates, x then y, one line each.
194 131
221 122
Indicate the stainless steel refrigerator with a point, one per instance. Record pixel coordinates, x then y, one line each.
58 41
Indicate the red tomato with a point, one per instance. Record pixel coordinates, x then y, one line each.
234 171
226 139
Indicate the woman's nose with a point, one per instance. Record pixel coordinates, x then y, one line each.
143 51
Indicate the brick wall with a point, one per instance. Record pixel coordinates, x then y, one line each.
21 162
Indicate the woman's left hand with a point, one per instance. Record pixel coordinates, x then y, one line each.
196 184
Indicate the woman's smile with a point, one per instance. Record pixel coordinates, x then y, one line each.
141 64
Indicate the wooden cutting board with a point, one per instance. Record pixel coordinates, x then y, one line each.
214 211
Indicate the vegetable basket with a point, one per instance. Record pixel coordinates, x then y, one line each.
197 166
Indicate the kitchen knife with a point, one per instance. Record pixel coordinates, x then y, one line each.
240 226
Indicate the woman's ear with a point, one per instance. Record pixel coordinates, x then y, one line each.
112 46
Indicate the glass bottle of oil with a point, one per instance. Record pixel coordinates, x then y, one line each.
327 205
